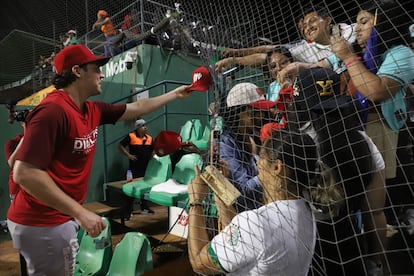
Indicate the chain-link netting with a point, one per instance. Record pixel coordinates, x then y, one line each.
313 115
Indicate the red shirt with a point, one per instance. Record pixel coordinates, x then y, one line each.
61 140
128 25
9 148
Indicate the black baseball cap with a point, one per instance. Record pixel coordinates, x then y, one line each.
319 90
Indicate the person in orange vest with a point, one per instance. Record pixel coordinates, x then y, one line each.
141 150
104 23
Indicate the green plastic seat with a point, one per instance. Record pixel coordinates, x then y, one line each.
94 254
183 174
191 131
203 141
217 124
81 232
132 256
158 171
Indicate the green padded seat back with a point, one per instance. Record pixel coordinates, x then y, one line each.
191 131
132 256
216 124
184 169
203 141
94 254
158 171
182 176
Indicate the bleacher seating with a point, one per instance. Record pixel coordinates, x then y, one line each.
203 141
174 190
191 131
94 254
132 256
217 124
158 171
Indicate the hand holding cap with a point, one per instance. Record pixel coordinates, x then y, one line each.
201 80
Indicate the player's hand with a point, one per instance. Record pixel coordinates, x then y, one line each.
91 222
182 91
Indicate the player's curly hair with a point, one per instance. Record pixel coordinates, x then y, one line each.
66 78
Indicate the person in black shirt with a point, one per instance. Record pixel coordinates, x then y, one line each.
140 152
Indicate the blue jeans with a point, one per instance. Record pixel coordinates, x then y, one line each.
108 50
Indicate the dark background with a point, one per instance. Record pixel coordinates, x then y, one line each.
50 18
238 23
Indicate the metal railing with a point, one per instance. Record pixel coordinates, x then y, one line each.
148 11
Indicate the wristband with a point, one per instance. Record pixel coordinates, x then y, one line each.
352 61
194 204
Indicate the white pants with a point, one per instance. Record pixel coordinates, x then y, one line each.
47 250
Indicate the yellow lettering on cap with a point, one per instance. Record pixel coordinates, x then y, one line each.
327 89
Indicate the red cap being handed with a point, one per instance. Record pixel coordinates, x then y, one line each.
201 79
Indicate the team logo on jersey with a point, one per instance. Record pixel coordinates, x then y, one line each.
87 143
233 235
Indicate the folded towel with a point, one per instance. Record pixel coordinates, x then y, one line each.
170 186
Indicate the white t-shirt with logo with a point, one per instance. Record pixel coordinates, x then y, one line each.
311 52
276 239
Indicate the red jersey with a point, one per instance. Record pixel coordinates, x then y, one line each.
9 148
60 139
129 26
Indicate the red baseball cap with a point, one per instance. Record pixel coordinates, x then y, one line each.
167 142
267 130
76 55
263 104
201 79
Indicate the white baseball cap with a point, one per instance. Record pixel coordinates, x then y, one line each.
246 93
140 123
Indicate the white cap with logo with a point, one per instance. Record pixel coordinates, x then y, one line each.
246 93
140 123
